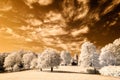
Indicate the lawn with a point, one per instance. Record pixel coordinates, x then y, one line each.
62 73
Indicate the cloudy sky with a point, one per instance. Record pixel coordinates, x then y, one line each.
60 24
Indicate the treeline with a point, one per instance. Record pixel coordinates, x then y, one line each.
90 58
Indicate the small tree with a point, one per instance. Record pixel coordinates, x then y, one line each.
74 60
88 56
49 58
66 57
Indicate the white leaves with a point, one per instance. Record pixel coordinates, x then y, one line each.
88 56
110 54
27 58
48 58
110 71
66 57
107 58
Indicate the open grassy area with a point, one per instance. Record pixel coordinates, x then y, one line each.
62 73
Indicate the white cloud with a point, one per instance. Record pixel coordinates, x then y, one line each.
41 2
24 28
34 22
45 2
83 30
28 40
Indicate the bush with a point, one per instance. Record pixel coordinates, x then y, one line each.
89 70
110 71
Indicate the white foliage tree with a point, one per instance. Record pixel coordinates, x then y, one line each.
2 58
88 56
117 53
49 58
11 60
27 58
107 58
110 71
66 57
114 49
33 64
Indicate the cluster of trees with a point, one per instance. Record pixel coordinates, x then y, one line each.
50 58
109 55
25 60
17 61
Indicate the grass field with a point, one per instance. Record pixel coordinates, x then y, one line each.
62 73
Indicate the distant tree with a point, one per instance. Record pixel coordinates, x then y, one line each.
74 60
66 57
27 58
49 58
88 56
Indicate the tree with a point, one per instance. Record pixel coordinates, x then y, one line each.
75 59
49 58
88 56
33 63
112 49
27 58
2 58
107 58
117 53
66 57
11 60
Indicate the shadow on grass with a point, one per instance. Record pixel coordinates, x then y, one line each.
61 72
70 72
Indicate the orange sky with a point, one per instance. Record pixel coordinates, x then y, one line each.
36 25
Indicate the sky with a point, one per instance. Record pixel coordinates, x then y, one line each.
60 24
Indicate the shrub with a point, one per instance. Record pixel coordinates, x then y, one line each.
89 70
110 71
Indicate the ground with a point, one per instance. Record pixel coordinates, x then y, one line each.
62 73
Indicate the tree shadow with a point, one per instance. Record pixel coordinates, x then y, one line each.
71 72
62 72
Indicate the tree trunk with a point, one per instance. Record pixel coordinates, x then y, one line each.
51 69
40 69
